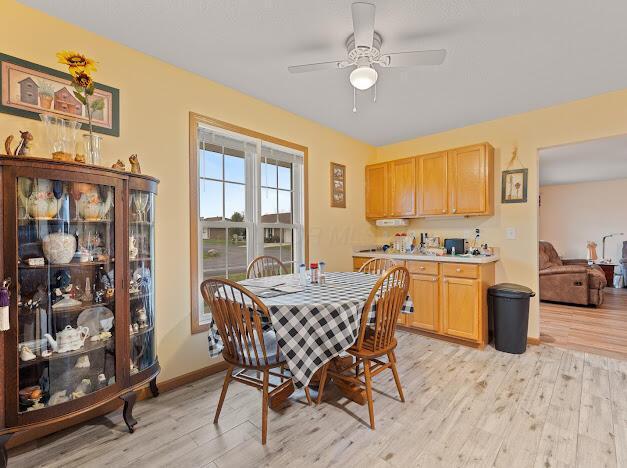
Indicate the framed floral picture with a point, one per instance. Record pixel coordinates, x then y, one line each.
514 186
28 89
338 185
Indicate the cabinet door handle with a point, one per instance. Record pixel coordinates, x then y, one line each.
422 268
443 211
458 270
454 210
435 280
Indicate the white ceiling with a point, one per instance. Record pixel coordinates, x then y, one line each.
504 56
603 159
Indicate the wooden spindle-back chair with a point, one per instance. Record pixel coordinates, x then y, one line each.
375 339
237 313
377 266
266 265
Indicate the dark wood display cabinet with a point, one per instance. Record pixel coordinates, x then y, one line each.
77 256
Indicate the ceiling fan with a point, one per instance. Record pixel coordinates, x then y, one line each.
364 52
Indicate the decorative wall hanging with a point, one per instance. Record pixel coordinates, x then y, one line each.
514 182
338 185
28 89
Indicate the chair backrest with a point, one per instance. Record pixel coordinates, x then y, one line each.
237 314
377 266
265 265
388 296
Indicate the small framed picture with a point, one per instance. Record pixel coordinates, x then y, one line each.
338 185
514 186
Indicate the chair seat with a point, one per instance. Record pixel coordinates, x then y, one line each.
367 349
274 356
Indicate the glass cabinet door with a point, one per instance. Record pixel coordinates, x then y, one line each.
141 285
66 297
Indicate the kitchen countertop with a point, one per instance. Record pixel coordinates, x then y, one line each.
477 259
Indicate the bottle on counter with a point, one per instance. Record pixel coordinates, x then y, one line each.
322 278
314 272
302 274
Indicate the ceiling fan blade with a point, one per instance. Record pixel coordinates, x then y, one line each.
310 67
363 23
412 59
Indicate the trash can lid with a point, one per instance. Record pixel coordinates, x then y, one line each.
510 290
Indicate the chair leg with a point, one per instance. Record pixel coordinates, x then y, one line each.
368 379
357 368
225 386
308 395
264 407
323 379
392 359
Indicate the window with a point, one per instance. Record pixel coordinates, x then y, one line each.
247 199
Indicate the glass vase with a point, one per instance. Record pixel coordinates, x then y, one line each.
93 145
60 136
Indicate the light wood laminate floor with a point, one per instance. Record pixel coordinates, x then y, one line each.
465 407
600 330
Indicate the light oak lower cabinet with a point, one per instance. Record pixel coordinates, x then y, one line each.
424 291
460 307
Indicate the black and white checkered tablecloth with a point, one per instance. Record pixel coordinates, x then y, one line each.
317 324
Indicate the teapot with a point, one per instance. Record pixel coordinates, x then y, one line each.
89 202
68 339
37 198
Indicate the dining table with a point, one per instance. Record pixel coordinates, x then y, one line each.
313 322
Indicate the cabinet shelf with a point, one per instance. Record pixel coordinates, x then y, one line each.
65 221
70 310
24 266
140 259
90 346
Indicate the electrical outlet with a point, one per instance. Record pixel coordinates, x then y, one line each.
510 233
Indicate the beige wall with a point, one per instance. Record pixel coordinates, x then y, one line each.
158 131
596 117
573 214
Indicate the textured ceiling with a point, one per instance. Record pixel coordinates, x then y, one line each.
603 159
504 56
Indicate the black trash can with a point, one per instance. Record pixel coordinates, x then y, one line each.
508 310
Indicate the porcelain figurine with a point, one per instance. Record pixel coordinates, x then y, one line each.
134 369
119 165
22 148
58 397
46 353
84 387
26 354
69 339
142 318
135 327
132 247
130 329
135 167
83 362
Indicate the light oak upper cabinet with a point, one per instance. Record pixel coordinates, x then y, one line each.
402 187
433 184
471 180
377 190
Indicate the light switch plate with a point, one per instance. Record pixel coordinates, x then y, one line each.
510 233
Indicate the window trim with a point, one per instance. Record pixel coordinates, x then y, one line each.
194 120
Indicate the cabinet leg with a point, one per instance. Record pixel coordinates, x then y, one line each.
129 401
153 388
4 457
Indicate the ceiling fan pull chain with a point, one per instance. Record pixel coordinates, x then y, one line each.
374 99
354 101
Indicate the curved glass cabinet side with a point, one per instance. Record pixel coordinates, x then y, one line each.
141 285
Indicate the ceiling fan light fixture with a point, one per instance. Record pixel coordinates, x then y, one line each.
363 77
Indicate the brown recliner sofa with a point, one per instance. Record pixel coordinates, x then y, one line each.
571 281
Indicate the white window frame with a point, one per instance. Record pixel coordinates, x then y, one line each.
252 223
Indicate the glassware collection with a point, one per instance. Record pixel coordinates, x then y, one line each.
66 295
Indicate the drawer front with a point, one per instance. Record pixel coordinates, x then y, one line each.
460 270
358 262
423 268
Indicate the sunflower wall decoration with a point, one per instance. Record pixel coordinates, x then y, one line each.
28 89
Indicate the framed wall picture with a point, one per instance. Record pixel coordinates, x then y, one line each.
28 89
338 185
514 186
